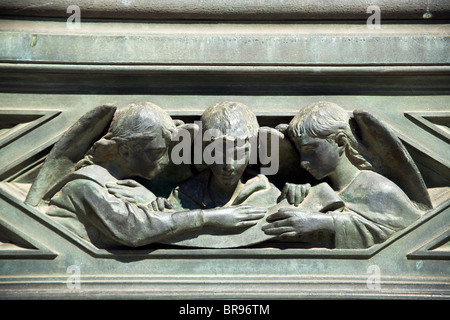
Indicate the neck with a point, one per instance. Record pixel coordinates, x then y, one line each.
221 191
115 169
344 174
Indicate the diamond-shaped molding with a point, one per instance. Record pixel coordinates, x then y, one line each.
438 122
437 249
15 123
16 244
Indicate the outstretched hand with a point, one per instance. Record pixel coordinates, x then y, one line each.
291 223
229 218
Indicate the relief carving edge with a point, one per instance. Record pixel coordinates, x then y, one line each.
86 182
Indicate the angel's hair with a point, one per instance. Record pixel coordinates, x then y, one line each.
140 120
325 120
134 121
232 120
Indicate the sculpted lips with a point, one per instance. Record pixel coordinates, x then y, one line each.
228 174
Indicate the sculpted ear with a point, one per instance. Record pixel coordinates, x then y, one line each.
190 130
341 141
124 151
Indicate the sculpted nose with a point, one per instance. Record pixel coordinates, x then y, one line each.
164 161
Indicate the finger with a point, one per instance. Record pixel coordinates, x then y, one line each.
280 214
119 193
112 190
285 190
246 224
120 189
288 235
110 186
307 188
155 205
246 206
122 193
255 210
117 188
249 209
298 195
252 216
168 204
160 202
130 199
291 195
128 182
125 198
271 230
274 217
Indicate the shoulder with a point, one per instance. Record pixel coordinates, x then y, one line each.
94 173
378 191
82 180
376 182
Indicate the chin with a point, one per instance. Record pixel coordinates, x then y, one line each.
228 182
317 175
151 175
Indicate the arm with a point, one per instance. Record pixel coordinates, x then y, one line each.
128 223
136 225
353 231
348 229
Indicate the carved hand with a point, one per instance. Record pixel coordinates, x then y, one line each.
160 204
233 217
288 223
131 191
295 193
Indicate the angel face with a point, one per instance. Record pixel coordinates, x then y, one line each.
234 162
147 157
320 157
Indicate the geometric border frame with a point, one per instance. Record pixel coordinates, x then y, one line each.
35 249
180 253
426 251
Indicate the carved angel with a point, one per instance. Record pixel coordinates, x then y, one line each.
367 167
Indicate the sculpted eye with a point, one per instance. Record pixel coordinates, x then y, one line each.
155 153
307 149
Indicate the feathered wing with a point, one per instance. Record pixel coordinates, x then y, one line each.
390 158
71 148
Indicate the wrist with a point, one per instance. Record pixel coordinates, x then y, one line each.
202 216
328 223
187 220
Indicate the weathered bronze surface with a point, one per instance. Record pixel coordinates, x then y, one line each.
224 153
